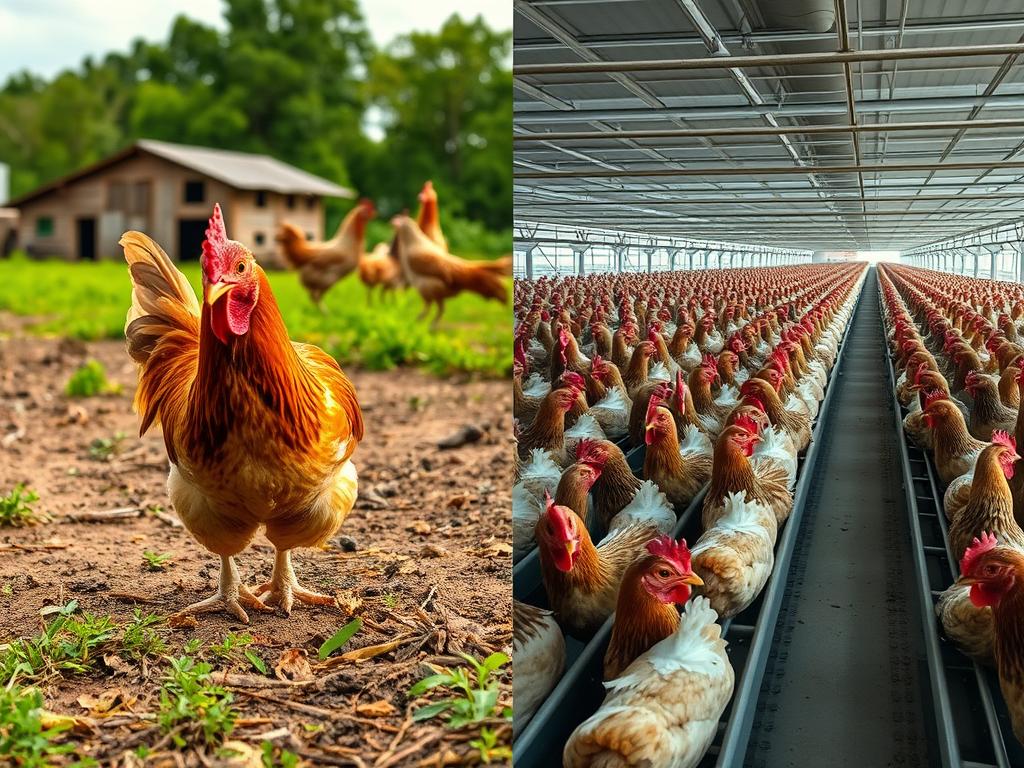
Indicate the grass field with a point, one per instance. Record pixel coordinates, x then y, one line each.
89 301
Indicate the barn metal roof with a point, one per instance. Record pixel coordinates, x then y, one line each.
240 170
804 124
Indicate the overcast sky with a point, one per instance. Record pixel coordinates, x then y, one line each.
46 36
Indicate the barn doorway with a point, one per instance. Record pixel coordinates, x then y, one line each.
191 233
87 239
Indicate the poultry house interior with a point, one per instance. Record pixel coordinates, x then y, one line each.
768 325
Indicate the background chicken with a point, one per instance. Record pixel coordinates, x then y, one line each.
439 276
259 431
321 265
663 711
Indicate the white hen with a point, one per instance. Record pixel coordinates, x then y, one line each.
663 711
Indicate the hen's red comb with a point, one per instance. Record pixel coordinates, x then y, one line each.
709 361
978 547
748 424
657 398
574 380
1004 438
934 396
589 452
674 551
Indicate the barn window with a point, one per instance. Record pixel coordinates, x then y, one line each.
195 191
259 237
261 199
311 203
117 196
44 226
140 197
290 202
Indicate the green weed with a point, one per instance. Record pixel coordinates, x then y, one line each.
489 748
106 448
140 638
16 508
475 688
157 561
90 380
191 707
277 757
27 738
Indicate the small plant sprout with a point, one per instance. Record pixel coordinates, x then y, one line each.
491 751
277 757
140 638
157 561
106 448
191 707
235 648
90 380
475 688
339 638
30 736
16 508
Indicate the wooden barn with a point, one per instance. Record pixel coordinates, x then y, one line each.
168 191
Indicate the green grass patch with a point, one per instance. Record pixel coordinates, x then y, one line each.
89 300
29 736
474 693
90 380
191 707
16 508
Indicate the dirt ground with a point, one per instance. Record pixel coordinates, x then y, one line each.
431 565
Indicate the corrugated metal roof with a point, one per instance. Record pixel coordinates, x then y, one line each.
598 179
240 170
245 171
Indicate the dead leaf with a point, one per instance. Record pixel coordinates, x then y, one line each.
177 621
376 709
370 651
421 527
457 502
293 665
349 604
497 549
116 664
106 703
238 754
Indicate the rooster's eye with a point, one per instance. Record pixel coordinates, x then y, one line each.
664 573
240 268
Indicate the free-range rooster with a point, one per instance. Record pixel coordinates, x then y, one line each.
703 380
259 430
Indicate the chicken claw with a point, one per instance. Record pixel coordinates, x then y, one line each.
284 588
231 595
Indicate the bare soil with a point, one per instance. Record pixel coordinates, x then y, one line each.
431 565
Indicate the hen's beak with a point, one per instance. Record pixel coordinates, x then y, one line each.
570 546
215 291
693 579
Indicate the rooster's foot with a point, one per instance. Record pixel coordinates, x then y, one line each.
231 595
284 589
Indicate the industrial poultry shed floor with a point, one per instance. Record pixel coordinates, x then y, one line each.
431 565
843 686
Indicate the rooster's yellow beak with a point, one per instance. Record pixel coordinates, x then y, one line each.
693 579
215 291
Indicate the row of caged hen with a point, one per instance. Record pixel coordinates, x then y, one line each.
954 341
639 399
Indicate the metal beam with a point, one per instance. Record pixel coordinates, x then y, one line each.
765 130
780 60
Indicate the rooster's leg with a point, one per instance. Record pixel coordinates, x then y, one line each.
440 311
284 588
426 311
231 595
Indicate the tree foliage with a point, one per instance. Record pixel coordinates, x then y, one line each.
300 80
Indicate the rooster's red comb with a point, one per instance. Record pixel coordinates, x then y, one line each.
657 398
709 361
674 551
978 547
1001 437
